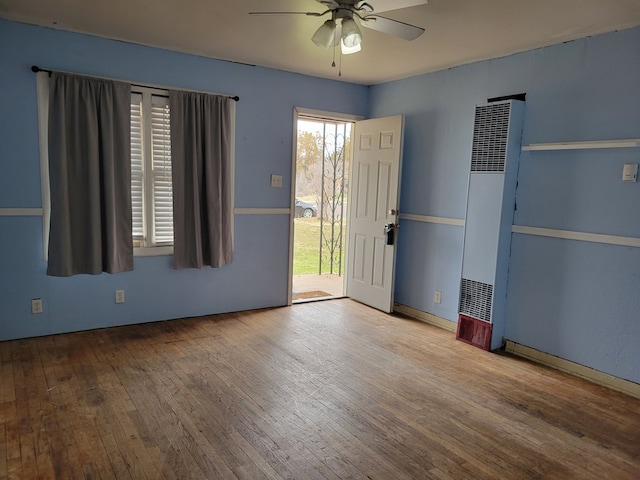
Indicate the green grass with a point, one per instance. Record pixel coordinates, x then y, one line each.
306 240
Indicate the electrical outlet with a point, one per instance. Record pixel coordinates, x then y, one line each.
119 296
437 297
36 305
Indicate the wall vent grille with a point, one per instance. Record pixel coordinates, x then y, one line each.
489 151
476 299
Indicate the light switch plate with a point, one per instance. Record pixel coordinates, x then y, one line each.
630 172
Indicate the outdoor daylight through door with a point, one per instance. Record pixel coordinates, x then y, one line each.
320 217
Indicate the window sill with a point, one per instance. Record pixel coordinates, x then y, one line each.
152 251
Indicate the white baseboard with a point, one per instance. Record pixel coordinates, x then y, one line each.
425 317
595 376
614 383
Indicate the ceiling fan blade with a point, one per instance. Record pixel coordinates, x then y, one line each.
329 3
386 5
392 27
309 14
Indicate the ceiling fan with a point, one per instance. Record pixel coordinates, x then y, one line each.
342 28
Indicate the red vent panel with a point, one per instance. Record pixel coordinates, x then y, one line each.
474 332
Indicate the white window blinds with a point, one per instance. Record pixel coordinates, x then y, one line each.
137 177
151 189
161 153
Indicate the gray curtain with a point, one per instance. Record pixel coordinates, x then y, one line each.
201 171
90 176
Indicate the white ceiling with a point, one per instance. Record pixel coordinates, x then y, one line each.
457 31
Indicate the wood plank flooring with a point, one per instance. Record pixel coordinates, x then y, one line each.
328 390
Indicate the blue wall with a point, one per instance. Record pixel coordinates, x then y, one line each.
154 291
576 300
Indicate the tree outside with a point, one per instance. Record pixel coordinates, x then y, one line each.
322 165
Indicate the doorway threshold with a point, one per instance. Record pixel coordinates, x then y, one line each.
316 287
317 299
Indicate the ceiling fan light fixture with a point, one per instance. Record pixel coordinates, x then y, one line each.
351 35
349 50
324 36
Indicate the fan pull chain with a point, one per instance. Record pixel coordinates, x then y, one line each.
333 64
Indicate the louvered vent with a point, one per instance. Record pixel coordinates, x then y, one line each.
490 138
475 299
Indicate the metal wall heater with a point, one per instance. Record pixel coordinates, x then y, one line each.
487 236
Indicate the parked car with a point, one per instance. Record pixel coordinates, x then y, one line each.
306 209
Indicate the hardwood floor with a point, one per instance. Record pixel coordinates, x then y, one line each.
326 390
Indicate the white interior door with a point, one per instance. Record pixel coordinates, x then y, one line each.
373 198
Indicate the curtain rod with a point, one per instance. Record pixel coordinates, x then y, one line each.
36 69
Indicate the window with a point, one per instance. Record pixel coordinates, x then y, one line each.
151 172
151 189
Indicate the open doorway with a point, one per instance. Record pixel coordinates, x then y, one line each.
322 158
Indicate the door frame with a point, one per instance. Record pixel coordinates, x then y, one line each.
320 115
